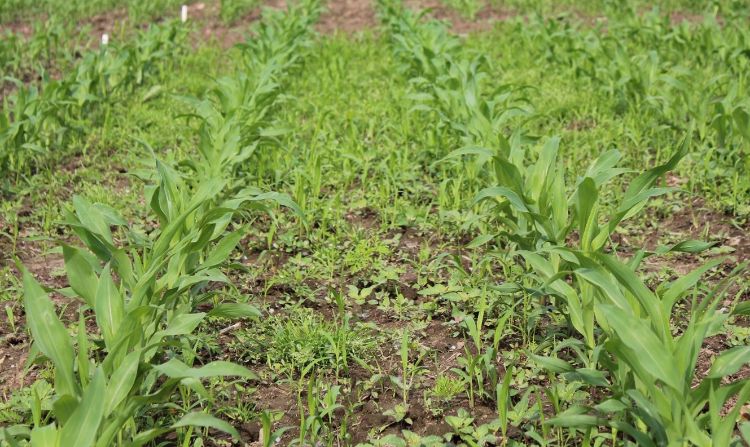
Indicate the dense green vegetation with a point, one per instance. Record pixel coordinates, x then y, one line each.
534 233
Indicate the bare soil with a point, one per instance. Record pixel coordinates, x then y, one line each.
696 221
212 27
484 20
347 16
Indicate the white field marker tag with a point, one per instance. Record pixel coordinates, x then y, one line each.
183 13
105 39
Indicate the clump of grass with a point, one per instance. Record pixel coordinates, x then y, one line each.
304 339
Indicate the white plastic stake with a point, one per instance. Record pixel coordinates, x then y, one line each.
105 39
183 13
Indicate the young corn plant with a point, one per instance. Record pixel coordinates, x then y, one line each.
448 85
316 424
30 121
638 64
537 216
240 119
410 369
602 289
446 82
657 395
143 297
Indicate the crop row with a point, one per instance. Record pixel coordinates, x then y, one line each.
638 62
37 121
623 344
139 293
11 10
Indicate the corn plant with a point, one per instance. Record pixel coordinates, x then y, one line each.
23 57
160 280
638 64
563 237
98 394
536 214
450 87
657 397
29 122
10 52
240 119
321 406
282 36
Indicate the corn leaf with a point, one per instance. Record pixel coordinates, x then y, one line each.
121 382
729 362
82 428
637 335
49 334
177 370
207 421
81 274
109 307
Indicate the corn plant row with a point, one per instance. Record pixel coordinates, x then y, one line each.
639 64
36 121
448 83
139 292
20 56
11 10
639 61
625 345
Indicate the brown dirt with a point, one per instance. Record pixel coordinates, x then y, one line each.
14 347
6 244
694 221
350 16
692 18
483 21
48 269
370 401
6 88
347 16
105 22
439 338
578 125
20 27
365 218
212 28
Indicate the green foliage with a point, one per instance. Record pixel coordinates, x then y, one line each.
138 10
231 10
470 240
305 341
36 121
143 291
638 64
562 239
446 388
